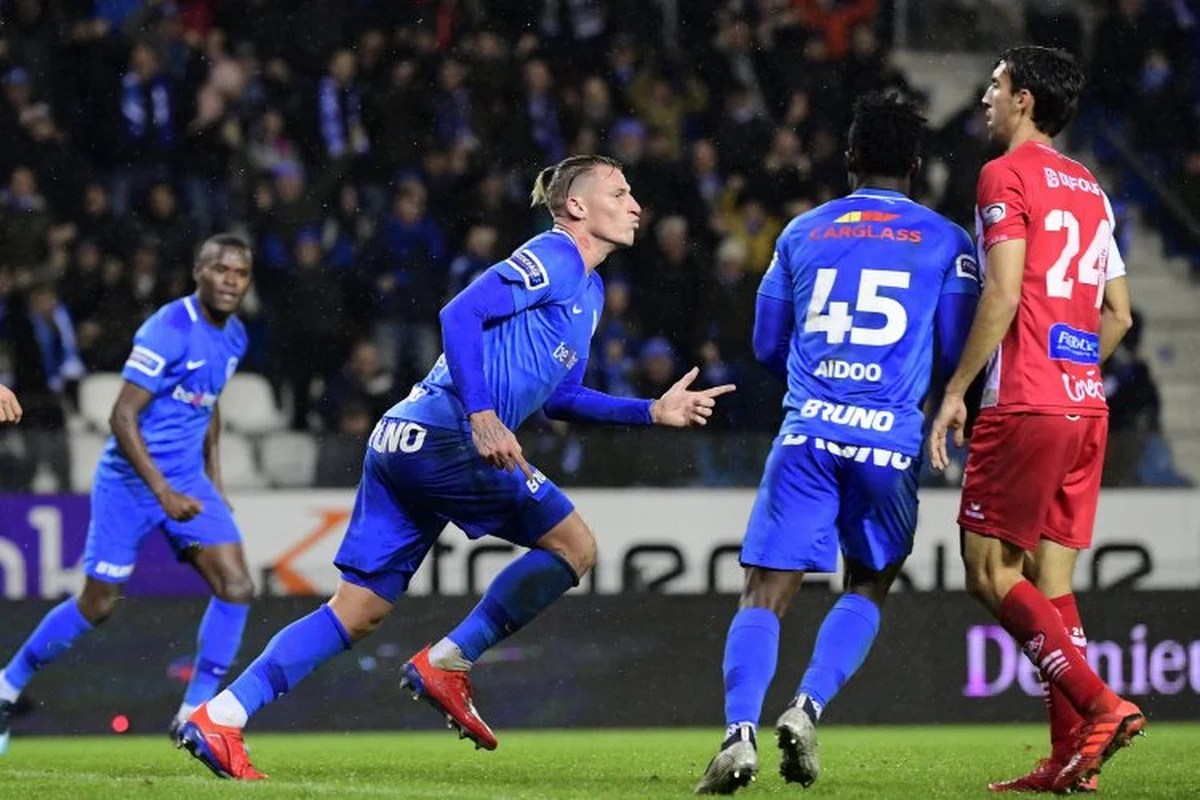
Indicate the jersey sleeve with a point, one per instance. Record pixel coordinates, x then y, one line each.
547 269
1115 267
777 281
962 273
1001 204
157 345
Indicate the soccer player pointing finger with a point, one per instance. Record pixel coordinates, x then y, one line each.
515 340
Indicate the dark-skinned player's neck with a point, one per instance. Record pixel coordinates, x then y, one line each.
885 184
592 250
214 318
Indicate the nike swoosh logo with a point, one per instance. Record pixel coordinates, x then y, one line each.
196 364
576 310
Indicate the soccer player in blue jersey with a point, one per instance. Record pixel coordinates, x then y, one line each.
848 314
516 340
161 470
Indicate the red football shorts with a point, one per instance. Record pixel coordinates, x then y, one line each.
1034 476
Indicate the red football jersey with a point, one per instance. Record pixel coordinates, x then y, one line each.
1049 359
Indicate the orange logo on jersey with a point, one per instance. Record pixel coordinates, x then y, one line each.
864 231
866 216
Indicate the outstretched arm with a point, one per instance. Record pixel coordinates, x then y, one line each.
679 407
574 402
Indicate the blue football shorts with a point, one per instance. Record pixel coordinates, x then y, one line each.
124 511
817 497
417 478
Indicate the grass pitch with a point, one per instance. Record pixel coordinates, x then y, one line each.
875 762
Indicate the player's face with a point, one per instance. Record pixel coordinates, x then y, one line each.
612 213
223 282
1000 105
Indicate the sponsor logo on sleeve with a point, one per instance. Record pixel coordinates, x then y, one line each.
530 268
145 360
966 266
991 214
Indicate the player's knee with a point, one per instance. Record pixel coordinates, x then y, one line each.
983 582
97 605
574 543
585 553
236 588
361 625
771 590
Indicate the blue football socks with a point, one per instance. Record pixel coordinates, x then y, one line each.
524 589
52 637
289 657
842 645
217 643
751 651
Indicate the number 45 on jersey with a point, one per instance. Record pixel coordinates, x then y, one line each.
839 321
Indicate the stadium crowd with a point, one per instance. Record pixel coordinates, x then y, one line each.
378 155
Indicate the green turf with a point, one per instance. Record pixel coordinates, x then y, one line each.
946 761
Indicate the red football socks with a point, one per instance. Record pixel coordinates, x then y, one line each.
1037 626
1063 716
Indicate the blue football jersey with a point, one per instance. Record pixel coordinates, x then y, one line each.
525 356
864 274
184 362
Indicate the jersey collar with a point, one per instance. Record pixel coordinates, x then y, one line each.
881 194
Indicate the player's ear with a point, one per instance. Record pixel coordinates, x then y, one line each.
576 208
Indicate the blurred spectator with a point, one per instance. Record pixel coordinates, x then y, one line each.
46 367
480 253
407 259
670 286
339 106
657 369
165 225
25 221
726 310
757 230
146 127
340 452
312 337
363 380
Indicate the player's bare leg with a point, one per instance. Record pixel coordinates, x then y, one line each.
994 571
736 763
439 674
796 730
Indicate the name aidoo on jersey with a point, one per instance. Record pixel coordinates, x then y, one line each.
852 370
869 419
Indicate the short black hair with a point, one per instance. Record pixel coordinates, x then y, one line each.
1053 77
211 249
885 136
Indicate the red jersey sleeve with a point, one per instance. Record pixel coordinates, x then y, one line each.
1001 204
